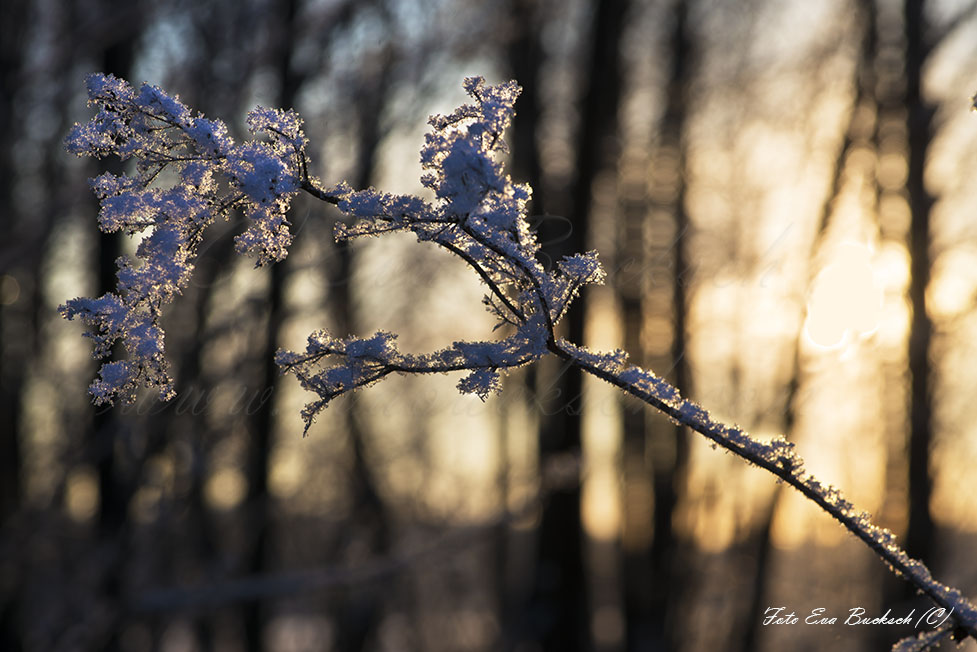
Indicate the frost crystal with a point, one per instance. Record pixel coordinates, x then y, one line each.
479 215
922 642
214 176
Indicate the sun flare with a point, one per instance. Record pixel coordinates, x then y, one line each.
846 299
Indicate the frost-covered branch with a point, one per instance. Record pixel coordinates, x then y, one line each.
212 175
364 361
780 458
477 214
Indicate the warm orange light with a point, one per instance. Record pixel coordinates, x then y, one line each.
846 299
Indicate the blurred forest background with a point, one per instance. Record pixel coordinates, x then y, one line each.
783 193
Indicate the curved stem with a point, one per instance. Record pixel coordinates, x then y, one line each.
528 271
777 457
780 460
315 190
493 286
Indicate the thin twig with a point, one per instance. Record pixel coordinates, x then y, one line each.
791 471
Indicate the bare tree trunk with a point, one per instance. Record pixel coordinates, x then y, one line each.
919 127
258 464
115 484
655 456
525 55
361 608
669 474
13 323
559 603
857 133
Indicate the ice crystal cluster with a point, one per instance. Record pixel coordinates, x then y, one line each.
213 176
478 214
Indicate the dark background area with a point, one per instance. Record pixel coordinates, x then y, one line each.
717 154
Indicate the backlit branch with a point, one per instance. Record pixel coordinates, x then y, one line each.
478 214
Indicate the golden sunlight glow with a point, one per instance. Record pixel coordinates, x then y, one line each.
81 494
601 505
601 428
9 290
846 299
954 286
792 522
225 489
288 472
